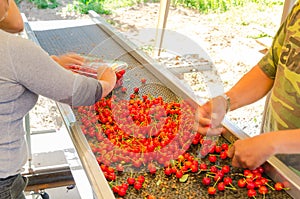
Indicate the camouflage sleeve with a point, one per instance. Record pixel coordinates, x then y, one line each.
269 62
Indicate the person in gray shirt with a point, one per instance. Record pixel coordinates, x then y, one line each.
27 71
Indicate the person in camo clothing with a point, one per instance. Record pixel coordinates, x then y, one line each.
277 73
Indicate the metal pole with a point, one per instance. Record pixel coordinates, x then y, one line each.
28 139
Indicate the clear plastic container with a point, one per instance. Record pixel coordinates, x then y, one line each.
91 64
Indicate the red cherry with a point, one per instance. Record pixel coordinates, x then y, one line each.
203 166
251 193
278 186
184 168
242 183
151 197
221 186
225 169
260 169
112 176
188 164
103 167
110 170
137 185
125 186
258 183
206 181
247 173
213 169
212 158
136 90
130 180
264 181
152 168
143 80
168 171
250 185
219 175
223 155
227 180
211 190
124 89
174 170
224 146
141 179
263 189
194 168
122 191
179 174
115 189
218 149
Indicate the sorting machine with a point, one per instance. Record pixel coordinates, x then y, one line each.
95 36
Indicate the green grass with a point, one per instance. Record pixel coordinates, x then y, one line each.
203 6
83 6
43 4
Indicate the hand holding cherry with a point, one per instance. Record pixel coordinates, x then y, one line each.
252 152
210 116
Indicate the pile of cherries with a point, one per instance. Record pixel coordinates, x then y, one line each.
138 131
145 132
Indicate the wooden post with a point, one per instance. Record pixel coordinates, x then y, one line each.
161 25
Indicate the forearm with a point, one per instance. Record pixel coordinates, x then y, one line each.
251 87
286 142
13 23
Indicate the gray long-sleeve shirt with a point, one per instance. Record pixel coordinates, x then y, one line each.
27 71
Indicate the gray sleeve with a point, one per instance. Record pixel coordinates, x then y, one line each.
35 70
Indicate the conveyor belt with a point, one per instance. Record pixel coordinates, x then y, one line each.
87 39
91 39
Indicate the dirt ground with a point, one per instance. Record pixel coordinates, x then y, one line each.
231 40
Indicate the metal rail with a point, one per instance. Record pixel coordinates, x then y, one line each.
101 189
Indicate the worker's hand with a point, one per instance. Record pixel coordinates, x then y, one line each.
108 79
252 152
68 59
210 116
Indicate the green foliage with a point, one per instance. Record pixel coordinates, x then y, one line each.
260 35
83 6
203 6
113 4
43 4
206 6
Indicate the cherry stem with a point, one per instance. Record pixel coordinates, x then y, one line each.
216 182
270 186
238 174
218 165
232 188
209 175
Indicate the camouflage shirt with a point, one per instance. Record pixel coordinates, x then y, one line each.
282 63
